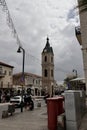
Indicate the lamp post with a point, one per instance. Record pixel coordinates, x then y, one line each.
19 51
75 72
76 76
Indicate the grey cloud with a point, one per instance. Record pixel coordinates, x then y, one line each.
71 14
34 20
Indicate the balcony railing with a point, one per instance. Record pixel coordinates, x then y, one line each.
78 34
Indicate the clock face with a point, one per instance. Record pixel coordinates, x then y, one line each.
45 50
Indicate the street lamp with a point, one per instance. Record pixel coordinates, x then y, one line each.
75 72
76 76
19 51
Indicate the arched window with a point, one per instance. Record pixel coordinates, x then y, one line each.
45 73
45 58
51 73
51 59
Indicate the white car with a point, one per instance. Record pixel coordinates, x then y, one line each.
16 100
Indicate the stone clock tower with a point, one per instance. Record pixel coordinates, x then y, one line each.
48 68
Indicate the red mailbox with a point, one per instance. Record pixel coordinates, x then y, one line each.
54 108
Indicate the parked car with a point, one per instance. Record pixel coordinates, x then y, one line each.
16 100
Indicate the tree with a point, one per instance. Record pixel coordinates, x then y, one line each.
68 82
82 5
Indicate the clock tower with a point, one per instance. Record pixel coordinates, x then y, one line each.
48 68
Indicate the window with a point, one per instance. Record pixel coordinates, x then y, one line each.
45 73
45 59
8 84
33 81
5 72
51 59
51 73
36 81
1 84
0 69
10 73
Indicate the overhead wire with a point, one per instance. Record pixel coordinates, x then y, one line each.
37 60
15 35
10 21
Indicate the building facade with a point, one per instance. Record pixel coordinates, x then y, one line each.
83 26
48 68
30 81
6 72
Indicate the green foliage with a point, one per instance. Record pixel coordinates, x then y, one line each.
67 81
74 84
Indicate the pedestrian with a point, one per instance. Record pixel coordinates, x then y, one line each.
30 102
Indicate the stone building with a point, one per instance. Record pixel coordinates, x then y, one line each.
48 68
6 72
32 81
83 40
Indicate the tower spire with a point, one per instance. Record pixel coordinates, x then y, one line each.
47 43
47 48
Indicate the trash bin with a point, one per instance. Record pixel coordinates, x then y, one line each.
54 108
11 108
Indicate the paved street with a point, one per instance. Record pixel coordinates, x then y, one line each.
83 125
28 120
32 120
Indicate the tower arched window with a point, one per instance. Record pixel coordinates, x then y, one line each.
51 59
45 73
45 58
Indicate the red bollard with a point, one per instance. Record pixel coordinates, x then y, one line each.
52 113
54 108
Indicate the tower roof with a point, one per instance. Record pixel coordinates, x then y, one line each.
48 48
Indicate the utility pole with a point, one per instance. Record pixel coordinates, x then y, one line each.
19 51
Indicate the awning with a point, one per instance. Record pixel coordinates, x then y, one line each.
78 79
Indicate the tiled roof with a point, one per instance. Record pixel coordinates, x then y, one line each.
27 74
4 64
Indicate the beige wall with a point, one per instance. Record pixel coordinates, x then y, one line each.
31 80
83 24
34 81
6 79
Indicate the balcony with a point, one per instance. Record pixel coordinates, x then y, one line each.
78 34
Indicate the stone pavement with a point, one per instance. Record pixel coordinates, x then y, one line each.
83 125
28 120
32 120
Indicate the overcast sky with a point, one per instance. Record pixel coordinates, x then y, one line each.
34 20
